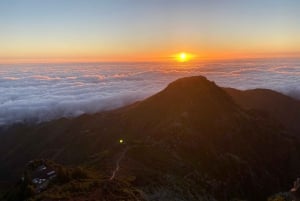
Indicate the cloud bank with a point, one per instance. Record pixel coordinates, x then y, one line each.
42 92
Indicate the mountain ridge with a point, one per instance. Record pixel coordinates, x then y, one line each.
282 107
193 134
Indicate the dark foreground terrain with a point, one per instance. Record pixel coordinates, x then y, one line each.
191 141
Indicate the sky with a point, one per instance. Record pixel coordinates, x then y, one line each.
147 30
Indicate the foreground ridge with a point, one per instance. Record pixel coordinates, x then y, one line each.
192 141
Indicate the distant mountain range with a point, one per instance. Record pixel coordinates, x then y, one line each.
192 141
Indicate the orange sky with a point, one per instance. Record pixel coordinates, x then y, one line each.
91 31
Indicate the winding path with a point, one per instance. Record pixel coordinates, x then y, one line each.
118 163
122 155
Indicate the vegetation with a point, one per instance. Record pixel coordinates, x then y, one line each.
281 197
191 141
71 182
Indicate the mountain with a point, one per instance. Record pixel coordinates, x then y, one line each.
281 107
192 141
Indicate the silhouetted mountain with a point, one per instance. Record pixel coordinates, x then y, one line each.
281 107
191 141
194 101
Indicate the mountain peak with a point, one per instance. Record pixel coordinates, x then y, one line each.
193 99
193 80
195 92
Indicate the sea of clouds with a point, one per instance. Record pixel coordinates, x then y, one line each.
42 92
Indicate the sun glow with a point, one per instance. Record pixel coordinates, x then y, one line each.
183 57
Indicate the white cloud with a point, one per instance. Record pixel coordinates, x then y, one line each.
41 92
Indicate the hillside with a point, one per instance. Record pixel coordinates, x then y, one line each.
281 107
191 141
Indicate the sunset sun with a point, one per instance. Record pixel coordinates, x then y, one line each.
183 57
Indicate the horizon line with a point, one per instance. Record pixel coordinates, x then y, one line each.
53 61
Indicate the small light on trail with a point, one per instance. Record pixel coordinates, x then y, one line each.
121 141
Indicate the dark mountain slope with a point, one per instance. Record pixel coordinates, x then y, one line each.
202 123
191 141
195 99
281 107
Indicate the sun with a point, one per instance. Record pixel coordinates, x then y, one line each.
183 57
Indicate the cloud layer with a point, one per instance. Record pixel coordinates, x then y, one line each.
41 92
